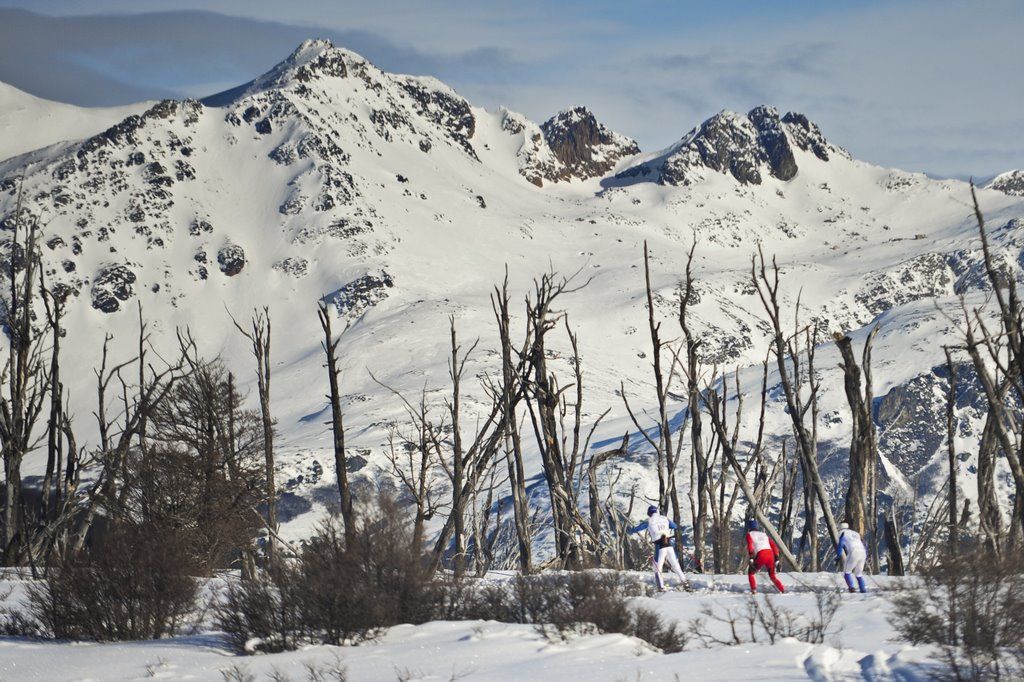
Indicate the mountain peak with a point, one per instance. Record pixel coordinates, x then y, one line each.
583 146
747 146
1010 182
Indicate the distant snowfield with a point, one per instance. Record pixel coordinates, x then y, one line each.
861 645
28 122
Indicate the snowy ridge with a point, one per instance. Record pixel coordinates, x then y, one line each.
400 202
1010 182
28 122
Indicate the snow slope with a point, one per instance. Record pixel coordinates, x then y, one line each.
28 122
400 203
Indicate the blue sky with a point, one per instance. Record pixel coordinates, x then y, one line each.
933 86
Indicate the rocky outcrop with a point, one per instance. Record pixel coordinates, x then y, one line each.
572 145
231 259
1011 182
360 294
584 147
113 285
748 147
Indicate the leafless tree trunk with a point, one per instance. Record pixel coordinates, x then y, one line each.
544 403
699 468
414 463
862 444
892 541
510 391
50 498
665 475
716 402
259 337
786 354
954 540
998 356
330 346
25 382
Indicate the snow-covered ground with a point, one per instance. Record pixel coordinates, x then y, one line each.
861 644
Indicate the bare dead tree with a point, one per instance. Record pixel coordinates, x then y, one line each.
414 461
50 497
510 393
664 444
330 346
997 355
715 399
787 357
892 543
990 518
259 337
544 402
24 377
863 449
954 540
118 432
699 469
788 494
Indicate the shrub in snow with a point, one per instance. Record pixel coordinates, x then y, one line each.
566 604
335 593
202 471
971 607
763 619
260 615
133 583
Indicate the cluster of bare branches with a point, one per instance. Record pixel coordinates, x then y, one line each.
174 451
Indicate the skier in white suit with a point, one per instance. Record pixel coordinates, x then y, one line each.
659 529
852 564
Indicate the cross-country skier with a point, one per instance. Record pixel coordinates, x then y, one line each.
764 553
659 528
853 563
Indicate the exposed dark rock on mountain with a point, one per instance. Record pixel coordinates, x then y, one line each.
113 285
747 147
360 294
1011 183
231 259
584 147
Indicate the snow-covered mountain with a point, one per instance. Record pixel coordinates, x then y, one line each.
400 203
28 122
1010 182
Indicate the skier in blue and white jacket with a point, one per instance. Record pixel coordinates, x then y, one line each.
852 564
659 529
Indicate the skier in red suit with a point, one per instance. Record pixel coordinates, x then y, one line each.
764 553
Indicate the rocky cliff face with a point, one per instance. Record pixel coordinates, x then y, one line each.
572 145
584 147
748 147
1011 182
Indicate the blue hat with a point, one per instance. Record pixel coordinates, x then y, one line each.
752 524
652 510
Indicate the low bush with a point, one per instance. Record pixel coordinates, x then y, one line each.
971 607
261 614
762 619
333 593
565 604
134 583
